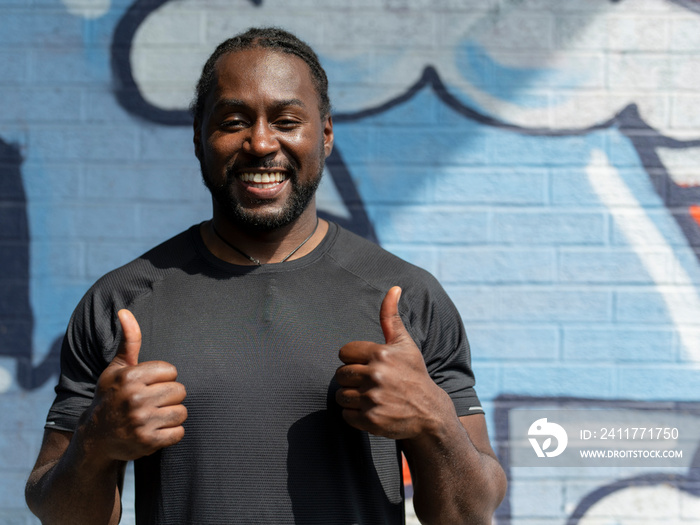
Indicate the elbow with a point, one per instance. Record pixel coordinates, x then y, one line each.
475 504
499 486
32 493
490 497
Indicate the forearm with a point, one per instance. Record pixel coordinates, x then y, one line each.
453 481
76 488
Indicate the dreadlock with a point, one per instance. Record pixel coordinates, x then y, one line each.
266 37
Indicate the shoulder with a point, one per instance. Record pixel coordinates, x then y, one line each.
96 313
427 311
379 266
173 255
423 298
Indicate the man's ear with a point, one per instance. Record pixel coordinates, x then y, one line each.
197 138
328 136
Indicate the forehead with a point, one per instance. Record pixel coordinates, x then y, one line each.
260 74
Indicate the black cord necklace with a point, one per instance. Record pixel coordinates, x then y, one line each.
253 259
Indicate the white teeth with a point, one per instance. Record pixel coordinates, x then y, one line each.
263 178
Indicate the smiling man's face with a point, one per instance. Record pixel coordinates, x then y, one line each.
262 141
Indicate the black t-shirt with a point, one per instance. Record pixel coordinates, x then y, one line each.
257 349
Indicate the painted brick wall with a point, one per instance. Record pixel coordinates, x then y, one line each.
538 156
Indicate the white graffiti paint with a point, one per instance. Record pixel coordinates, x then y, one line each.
5 380
328 198
673 282
562 65
643 504
89 9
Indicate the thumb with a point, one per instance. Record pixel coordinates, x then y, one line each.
392 325
130 345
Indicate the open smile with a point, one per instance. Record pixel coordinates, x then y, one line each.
263 181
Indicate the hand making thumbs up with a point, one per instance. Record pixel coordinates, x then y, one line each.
385 389
130 345
137 407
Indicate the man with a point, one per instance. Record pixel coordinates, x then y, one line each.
261 367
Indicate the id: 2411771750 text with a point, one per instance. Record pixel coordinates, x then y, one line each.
627 433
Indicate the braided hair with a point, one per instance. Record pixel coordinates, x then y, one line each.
265 37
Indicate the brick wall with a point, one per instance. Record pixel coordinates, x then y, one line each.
538 156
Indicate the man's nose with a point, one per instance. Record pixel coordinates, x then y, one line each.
261 140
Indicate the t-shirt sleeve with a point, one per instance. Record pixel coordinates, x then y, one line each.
435 324
94 330
87 346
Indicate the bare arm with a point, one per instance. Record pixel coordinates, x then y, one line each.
456 476
386 390
65 479
137 409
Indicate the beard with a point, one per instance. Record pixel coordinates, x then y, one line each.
255 221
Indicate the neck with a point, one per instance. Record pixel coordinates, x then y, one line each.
229 243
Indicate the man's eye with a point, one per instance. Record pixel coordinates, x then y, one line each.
287 123
233 123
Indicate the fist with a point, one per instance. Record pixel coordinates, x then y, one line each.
385 389
137 407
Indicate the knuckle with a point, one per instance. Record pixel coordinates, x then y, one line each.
124 377
181 414
343 397
345 376
135 400
137 419
127 405
382 353
170 368
142 436
183 390
374 397
170 437
179 391
373 418
376 375
177 435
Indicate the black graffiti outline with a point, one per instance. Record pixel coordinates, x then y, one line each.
690 5
644 138
17 322
685 483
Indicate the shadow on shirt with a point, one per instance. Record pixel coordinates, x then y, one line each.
337 474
